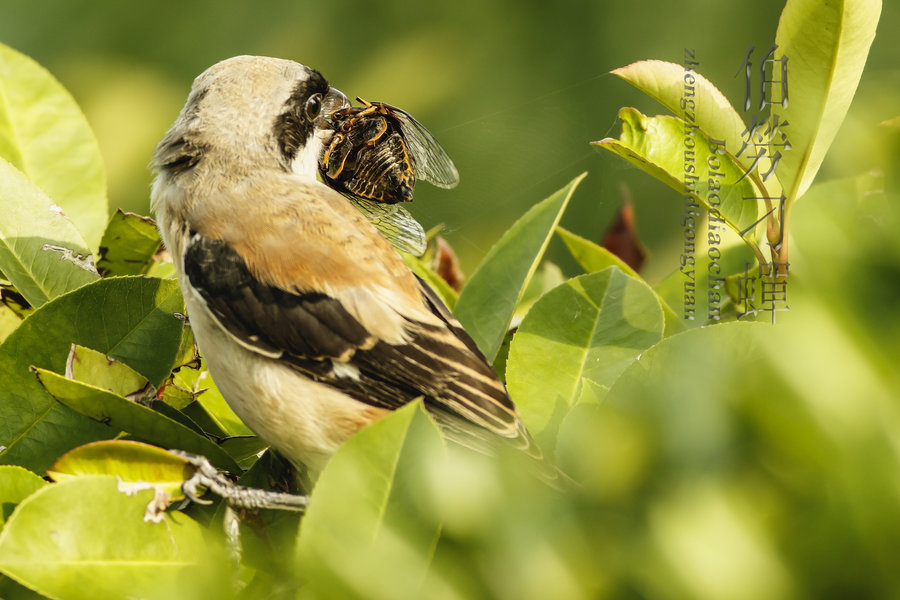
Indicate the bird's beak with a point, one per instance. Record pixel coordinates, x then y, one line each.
334 100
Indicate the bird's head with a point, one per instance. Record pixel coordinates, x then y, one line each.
248 113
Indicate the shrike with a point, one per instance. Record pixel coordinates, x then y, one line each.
309 321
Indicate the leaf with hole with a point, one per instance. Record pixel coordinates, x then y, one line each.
137 326
128 245
41 252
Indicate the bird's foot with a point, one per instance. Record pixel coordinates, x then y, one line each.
235 496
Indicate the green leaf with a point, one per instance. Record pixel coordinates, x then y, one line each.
434 281
11 590
713 366
16 484
97 369
691 353
733 259
605 453
141 422
9 320
41 252
200 383
826 44
488 301
44 134
13 301
591 256
130 461
128 245
655 145
594 257
590 328
87 531
129 318
364 514
671 406
592 392
707 108
244 449
545 278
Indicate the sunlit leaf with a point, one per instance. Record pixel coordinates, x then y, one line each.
97 369
593 257
705 106
41 252
590 328
44 134
9 320
655 145
690 353
363 518
128 245
88 531
592 392
129 461
212 401
16 484
121 414
669 406
826 45
488 300
135 325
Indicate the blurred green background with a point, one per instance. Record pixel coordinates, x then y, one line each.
758 464
514 90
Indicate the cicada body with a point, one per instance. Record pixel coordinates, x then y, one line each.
378 151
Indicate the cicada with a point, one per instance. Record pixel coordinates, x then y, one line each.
377 152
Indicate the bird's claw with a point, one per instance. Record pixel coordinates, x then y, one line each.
235 496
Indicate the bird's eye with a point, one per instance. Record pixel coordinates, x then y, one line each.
313 106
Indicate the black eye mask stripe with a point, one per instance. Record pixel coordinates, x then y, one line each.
292 127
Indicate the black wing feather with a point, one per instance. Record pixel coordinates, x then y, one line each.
271 319
309 331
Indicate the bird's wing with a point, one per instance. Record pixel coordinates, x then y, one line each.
380 336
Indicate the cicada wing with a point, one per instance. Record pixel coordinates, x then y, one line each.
430 161
395 223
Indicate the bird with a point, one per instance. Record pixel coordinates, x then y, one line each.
309 321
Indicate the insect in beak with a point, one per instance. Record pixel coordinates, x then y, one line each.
375 156
378 151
